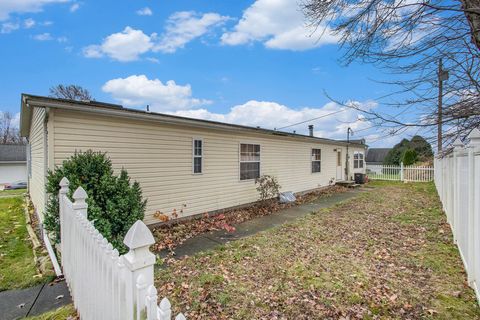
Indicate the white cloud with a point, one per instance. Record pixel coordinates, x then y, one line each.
8 7
153 60
278 24
74 7
43 37
145 12
15 122
183 27
272 115
138 91
8 27
127 45
28 23
62 39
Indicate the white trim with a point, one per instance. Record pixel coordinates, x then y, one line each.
239 160
311 160
358 160
195 156
13 162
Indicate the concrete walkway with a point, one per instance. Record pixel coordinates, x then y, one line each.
210 240
17 304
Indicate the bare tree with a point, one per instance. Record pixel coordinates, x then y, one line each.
408 38
71 92
9 134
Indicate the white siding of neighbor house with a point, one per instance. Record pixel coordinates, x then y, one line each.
11 172
37 157
159 157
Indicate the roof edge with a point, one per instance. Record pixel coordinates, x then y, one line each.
29 101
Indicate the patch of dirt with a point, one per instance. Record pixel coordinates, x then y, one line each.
172 234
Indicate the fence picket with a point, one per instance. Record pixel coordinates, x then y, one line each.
457 180
400 173
102 283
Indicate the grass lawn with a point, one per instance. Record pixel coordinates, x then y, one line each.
12 192
66 312
386 254
17 267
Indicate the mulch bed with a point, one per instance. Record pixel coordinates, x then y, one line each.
170 235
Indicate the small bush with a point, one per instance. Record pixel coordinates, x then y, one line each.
113 203
409 157
267 187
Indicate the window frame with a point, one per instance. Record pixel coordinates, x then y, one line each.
312 161
240 160
194 139
358 158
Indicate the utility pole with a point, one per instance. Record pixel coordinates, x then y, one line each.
442 76
347 162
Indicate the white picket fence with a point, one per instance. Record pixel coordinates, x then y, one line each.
457 178
400 173
103 284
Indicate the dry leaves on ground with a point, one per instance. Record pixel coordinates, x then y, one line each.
172 234
378 256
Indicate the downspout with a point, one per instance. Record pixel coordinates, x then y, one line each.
45 150
46 240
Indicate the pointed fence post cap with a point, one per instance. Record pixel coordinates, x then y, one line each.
64 182
180 316
138 236
152 291
457 143
165 304
474 137
80 194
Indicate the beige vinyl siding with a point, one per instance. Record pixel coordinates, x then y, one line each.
37 144
159 156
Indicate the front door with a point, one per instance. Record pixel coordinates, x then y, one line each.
339 165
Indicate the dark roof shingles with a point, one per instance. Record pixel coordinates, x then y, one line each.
376 154
13 152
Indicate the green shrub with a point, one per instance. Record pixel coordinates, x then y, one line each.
422 148
267 187
113 203
409 157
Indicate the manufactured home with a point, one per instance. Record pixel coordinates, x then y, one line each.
181 163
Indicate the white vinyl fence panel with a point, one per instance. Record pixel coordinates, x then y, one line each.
103 284
400 173
457 179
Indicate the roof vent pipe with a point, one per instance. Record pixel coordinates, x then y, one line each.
310 130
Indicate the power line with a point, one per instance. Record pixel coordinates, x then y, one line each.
325 115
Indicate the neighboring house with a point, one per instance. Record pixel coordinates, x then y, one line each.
194 165
13 163
375 157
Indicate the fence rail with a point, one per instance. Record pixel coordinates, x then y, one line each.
400 173
457 179
103 284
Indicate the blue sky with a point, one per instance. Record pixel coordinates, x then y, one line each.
248 62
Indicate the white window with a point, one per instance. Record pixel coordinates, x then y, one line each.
197 156
249 161
357 160
316 160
